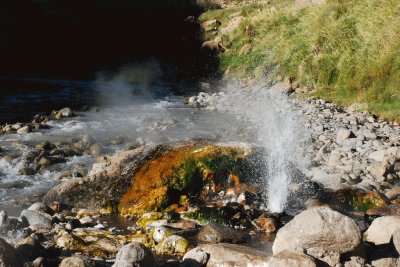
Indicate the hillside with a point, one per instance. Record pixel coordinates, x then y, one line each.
344 51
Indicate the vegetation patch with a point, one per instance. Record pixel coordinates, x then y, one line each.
349 51
178 176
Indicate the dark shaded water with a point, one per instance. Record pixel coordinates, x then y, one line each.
21 99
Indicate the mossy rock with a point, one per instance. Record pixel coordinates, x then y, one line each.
182 174
148 218
172 245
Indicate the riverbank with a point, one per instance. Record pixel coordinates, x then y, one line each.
345 52
343 170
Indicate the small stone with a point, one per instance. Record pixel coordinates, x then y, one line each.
381 230
24 130
245 50
196 258
173 244
95 150
160 233
134 254
217 233
41 207
66 112
342 135
34 218
76 261
266 224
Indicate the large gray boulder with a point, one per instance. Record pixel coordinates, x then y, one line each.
195 258
320 232
224 254
8 255
382 229
134 255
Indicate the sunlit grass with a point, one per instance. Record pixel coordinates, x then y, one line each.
348 50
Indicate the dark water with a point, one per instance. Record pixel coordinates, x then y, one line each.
21 99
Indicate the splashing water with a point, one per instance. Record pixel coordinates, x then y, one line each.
278 130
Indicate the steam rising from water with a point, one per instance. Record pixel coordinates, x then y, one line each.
278 130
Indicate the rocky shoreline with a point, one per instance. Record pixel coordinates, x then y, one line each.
202 208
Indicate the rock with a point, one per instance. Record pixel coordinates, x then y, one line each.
87 140
381 230
173 244
246 49
232 25
66 112
30 247
95 150
217 233
223 254
4 221
34 218
342 134
386 262
211 46
396 240
319 232
24 130
160 233
41 207
8 255
210 25
327 180
196 257
282 87
380 155
266 224
76 261
291 259
134 255
379 170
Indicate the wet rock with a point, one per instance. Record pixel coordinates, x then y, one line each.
24 130
234 255
217 233
27 171
135 255
66 112
173 244
41 207
76 261
4 221
95 150
266 224
321 233
34 218
8 255
196 257
382 229
291 259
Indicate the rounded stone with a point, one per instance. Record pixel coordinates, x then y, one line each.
318 228
134 255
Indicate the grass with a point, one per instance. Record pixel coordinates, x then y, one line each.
348 50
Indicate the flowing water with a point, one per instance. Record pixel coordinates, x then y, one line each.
142 115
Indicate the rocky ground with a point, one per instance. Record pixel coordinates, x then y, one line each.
204 208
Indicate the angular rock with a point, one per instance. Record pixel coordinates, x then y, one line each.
217 233
8 255
196 257
134 255
342 135
223 254
381 230
34 218
380 155
291 259
41 207
319 232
